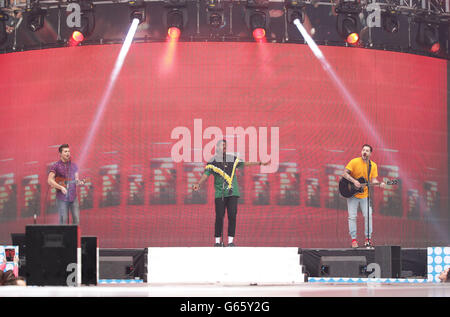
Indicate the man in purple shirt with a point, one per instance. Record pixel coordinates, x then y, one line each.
63 176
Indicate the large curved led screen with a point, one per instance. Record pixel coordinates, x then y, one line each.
142 139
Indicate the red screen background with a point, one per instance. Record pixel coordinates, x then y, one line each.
50 97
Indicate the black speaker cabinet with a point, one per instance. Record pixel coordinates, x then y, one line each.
89 260
389 260
53 255
343 266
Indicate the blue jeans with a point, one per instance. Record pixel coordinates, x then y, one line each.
352 204
63 211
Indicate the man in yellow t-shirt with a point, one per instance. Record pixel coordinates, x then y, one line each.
355 169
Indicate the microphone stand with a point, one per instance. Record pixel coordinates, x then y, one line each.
223 192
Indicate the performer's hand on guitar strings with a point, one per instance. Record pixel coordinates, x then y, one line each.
64 190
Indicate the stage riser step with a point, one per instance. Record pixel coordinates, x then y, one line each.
244 265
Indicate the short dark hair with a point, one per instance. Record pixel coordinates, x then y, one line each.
369 146
221 141
63 146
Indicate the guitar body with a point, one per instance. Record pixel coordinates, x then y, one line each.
63 181
347 189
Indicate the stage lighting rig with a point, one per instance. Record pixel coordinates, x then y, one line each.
35 19
257 18
137 11
175 18
428 36
86 25
390 21
347 21
428 32
295 10
214 13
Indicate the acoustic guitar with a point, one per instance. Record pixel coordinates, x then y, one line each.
347 189
64 182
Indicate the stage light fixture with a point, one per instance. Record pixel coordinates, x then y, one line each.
347 21
35 19
174 33
76 38
390 21
79 34
137 11
428 36
257 18
174 23
295 10
175 18
214 13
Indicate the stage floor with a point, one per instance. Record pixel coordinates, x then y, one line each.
229 290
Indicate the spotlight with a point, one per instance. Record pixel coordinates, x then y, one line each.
35 20
259 34
76 38
174 33
390 21
138 14
174 23
176 17
87 23
428 36
347 28
214 13
137 11
353 38
258 25
347 21
295 10
257 18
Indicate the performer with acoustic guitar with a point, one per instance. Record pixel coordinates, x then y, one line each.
356 170
63 176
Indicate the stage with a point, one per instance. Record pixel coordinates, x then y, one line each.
233 290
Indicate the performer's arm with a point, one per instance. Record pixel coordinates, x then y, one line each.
348 177
52 182
201 181
375 181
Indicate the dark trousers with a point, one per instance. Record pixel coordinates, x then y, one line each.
230 203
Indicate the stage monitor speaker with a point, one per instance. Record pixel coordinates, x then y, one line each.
89 260
389 260
53 255
19 239
342 266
